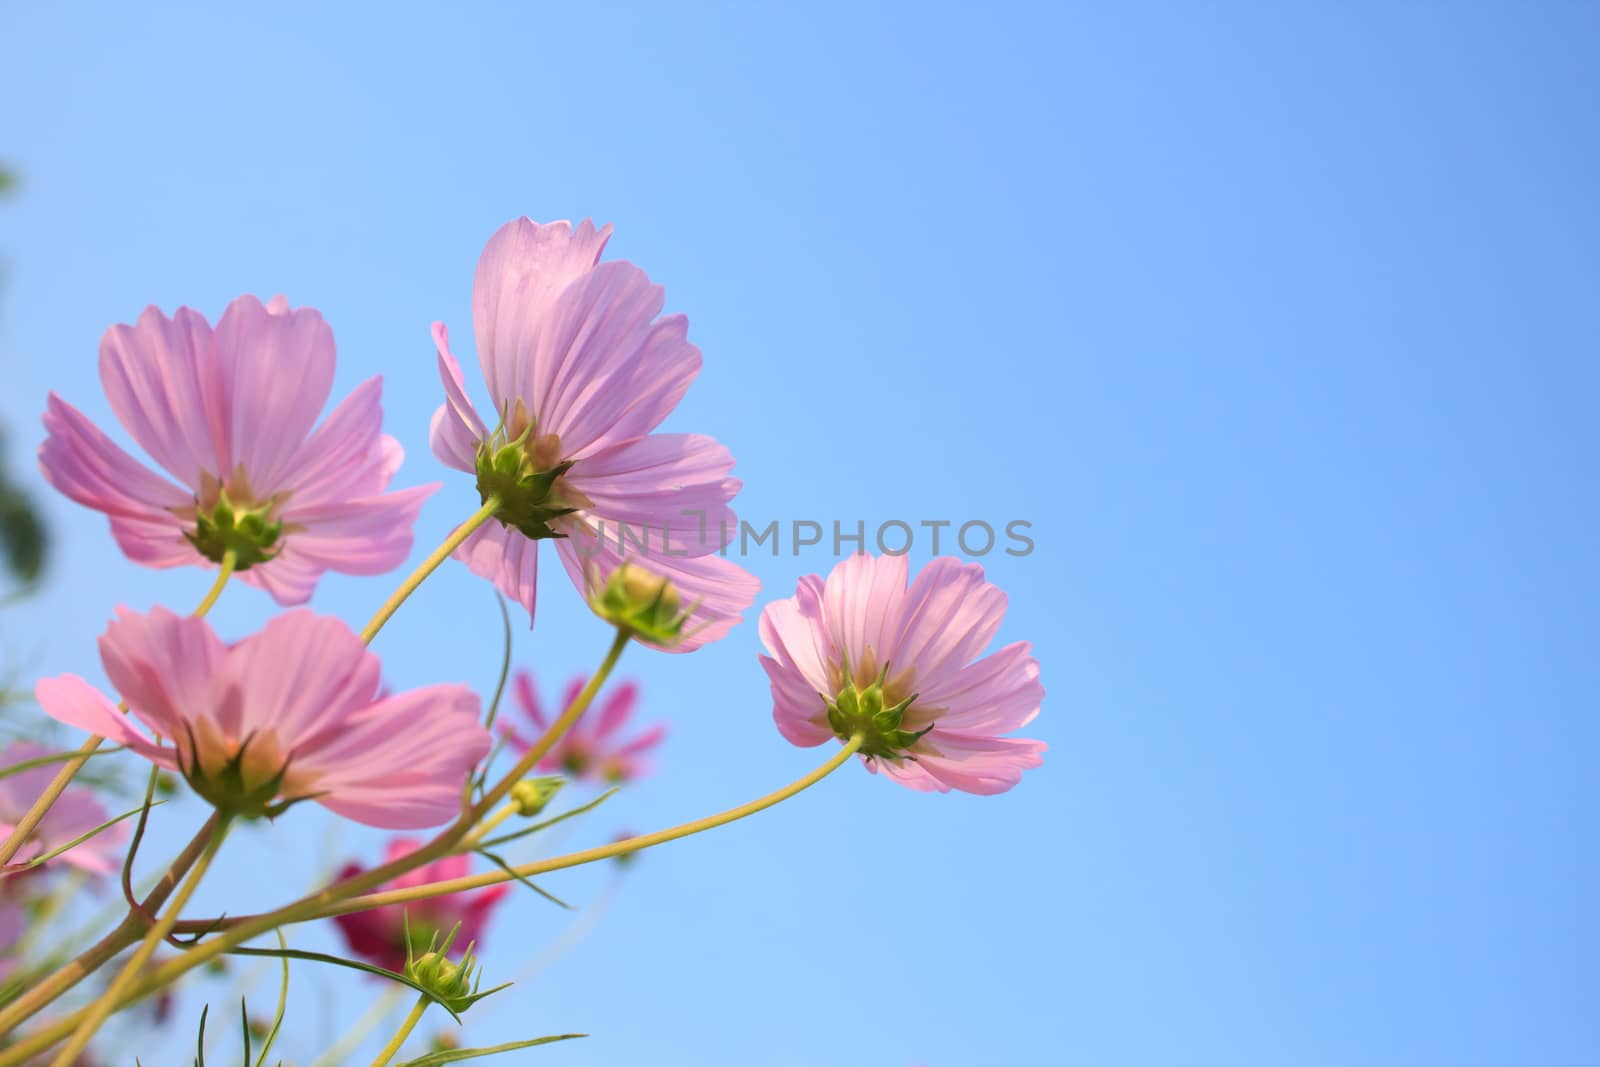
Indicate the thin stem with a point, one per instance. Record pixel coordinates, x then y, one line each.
109 1001
30 821
604 852
428 566
541 748
363 1026
320 906
393 1047
507 810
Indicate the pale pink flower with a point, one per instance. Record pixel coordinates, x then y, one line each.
580 371
860 651
228 412
76 811
290 713
595 748
378 935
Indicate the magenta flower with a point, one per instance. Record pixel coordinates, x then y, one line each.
228 413
378 935
581 371
289 714
594 749
860 652
75 812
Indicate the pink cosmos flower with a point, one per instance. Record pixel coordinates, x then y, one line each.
594 749
75 812
861 652
228 412
379 934
581 371
290 713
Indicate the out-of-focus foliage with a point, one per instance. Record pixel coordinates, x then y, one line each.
22 534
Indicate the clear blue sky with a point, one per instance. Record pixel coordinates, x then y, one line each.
1278 323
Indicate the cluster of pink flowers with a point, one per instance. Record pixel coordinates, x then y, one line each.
581 369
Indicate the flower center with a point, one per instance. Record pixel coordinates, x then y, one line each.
524 472
876 710
243 778
234 522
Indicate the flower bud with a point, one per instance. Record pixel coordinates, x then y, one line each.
637 599
532 794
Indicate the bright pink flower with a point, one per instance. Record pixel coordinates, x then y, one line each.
379 934
76 811
862 652
290 713
581 371
229 412
594 749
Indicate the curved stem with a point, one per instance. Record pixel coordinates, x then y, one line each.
541 748
604 852
109 1001
427 567
317 907
393 1047
29 821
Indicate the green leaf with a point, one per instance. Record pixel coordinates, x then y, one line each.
339 961
200 1042
283 1002
434 1059
505 663
15 868
244 1023
512 871
58 757
536 827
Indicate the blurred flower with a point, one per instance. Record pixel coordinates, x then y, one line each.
580 371
594 749
287 714
860 652
378 935
76 811
13 922
229 412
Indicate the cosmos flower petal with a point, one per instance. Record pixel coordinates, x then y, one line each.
456 428
524 268
69 699
506 558
166 387
668 491
277 369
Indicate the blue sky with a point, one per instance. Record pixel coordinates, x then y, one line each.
1277 323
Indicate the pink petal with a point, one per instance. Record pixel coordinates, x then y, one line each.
616 709
302 676
366 535
165 385
456 429
528 700
523 269
348 455
289 578
978 764
862 605
401 763
162 665
277 371
950 615
668 491
69 699
997 694
86 466
507 558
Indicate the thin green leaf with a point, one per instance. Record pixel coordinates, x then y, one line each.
512 871
244 1023
283 1002
505 664
57 757
339 961
563 817
15 868
434 1059
200 1042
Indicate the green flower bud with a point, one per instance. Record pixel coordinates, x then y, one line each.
532 794
637 599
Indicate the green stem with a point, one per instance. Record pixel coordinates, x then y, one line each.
393 1047
326 903
428 566
109 1001
29 821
